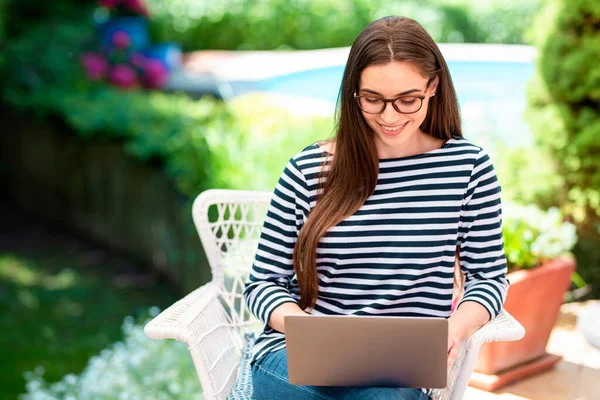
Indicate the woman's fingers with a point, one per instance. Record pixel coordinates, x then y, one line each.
452 353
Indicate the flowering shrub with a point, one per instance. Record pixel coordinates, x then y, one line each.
136 70
532 236
119 58
136 368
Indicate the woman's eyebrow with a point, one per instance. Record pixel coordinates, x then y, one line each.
399 94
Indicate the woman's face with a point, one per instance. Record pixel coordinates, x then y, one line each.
390 81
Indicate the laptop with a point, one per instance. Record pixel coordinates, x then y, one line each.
407 352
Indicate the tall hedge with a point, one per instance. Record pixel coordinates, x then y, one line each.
312 24
564 113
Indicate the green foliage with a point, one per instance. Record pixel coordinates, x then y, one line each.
2 30
199 144
263 137
3 4
45 58
528 176
532 236
310 24
44 77
169 130
23 15
502 21
564 113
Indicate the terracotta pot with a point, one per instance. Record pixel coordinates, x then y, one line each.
534 299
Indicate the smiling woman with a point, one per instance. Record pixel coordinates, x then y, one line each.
371 223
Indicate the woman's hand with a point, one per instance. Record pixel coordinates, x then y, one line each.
469 317
456 335
277 320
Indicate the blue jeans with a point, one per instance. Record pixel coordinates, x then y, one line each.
270 382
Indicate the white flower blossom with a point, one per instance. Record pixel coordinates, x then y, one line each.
136 368
529 231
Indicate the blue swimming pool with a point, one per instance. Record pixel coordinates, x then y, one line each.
491 95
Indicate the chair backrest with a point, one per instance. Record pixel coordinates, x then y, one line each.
229 223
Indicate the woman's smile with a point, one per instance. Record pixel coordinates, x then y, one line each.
390 130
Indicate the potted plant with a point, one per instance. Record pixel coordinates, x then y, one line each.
537 246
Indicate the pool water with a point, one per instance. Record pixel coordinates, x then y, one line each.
491 95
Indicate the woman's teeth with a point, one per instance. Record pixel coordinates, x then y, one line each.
392 129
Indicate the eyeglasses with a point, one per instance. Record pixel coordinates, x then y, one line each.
376 105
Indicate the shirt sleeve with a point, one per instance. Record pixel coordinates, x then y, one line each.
480 241
269 283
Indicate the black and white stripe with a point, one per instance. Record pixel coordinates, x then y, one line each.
395 255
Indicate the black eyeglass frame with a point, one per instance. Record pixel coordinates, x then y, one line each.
421 97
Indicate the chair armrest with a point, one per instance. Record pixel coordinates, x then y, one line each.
502 328
174 322
200 320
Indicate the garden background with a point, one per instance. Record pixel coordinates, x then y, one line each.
98 178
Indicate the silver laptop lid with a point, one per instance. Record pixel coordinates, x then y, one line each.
367 351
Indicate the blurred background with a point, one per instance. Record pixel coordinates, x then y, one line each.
115 114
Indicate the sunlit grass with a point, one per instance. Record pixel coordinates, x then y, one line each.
17 270
25 273
57 310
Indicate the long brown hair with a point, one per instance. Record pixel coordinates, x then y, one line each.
354 169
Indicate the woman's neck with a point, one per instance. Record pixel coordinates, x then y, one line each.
420 143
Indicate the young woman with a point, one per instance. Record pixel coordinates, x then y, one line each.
370 222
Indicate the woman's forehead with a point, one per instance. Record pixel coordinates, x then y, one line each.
392 78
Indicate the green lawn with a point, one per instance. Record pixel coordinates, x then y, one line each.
62 300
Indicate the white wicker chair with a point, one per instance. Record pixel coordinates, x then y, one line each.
212 319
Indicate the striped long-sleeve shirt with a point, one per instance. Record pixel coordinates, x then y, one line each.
395 256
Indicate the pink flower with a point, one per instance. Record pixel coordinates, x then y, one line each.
156 74
138 60
137 6
123 76
110 3
121 39
95 65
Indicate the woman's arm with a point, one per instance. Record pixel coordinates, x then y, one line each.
480 241
482 257
267 290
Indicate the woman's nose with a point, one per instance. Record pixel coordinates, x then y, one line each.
389 115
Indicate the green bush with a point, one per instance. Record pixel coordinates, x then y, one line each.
2 30
502 21
2 19
532 236
199 144
45 78
46 58
528 176
301 24
564 113
262 138
310 24
23 15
